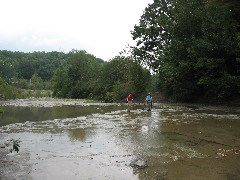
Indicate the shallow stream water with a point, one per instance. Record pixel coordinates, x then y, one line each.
77 140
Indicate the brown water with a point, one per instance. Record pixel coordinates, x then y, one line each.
76 140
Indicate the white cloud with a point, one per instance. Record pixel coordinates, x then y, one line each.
102 28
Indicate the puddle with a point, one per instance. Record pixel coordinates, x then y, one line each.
77 140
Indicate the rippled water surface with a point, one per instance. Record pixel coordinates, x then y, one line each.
76 140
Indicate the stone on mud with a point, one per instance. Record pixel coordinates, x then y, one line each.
140 164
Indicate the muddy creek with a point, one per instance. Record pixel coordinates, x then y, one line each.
77 140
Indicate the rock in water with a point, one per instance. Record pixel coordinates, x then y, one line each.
138 164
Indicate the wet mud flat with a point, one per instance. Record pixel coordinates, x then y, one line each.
64 139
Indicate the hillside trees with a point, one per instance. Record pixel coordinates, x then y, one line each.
7 69
6 91
72 80
40 63
193 46
18 68
85 76
122 75
77 74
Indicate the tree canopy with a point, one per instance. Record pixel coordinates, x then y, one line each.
76 74
86 76
25 65
194 47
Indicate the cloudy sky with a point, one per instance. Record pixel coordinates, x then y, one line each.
101 27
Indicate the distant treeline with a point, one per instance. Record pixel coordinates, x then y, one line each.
76 74
25 65
19 70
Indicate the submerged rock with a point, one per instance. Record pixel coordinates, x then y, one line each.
139 164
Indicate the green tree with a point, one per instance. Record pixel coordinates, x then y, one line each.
123 75
77 78
6 91
7 69
194 47
60 83
36 82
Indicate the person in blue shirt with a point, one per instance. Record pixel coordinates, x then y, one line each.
149 101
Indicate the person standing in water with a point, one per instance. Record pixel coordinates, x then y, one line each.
129 101
149 101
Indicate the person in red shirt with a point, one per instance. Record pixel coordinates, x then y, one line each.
129 101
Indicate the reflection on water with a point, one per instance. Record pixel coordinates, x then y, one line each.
21 114
80 134
99 142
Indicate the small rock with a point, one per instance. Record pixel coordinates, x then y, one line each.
138 164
